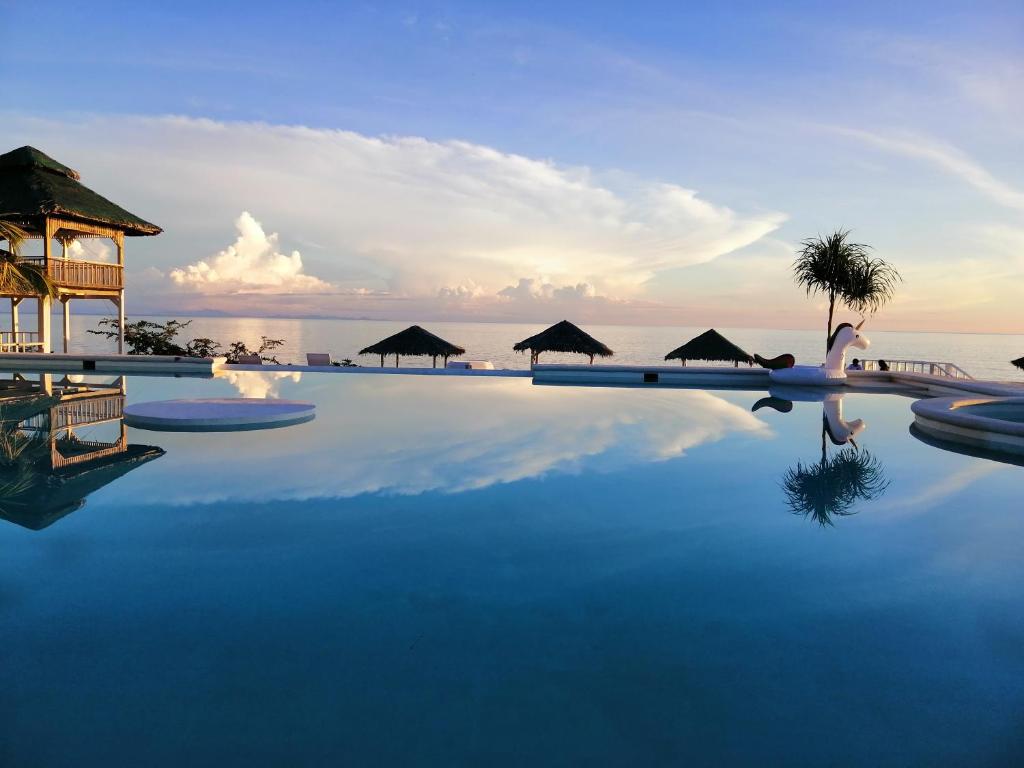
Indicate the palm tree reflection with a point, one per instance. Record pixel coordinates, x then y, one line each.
832 486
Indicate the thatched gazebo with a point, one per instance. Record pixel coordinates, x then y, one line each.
414 342
563 337
46 200
1019 362
710 346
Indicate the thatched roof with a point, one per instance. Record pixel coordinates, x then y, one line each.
711 346
33 185
1019 362
564 337
414 341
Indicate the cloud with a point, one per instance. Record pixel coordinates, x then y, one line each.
538 430
947 157
91 250
259 384
530 289
404 216
252 264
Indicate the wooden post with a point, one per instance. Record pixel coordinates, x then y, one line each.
119 301
435 361
66 301
43 308
44 304
382 360
396 359
119 242
14 324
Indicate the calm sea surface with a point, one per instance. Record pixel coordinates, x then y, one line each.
982 355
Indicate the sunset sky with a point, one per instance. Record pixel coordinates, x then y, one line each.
648 163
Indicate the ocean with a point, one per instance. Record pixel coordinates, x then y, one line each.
981 355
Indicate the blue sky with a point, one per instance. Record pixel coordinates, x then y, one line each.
642 162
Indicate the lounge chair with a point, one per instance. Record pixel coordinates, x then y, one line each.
318 358
249 360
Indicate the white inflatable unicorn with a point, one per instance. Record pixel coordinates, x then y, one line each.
839 430
833 372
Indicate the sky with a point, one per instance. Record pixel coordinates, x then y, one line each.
616 163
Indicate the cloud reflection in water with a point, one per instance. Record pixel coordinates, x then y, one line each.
410 435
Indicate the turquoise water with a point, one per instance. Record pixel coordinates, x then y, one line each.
468 571
1005 411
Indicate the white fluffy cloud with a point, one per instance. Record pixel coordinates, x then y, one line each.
424 222
252 263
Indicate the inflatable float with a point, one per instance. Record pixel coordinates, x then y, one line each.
833 372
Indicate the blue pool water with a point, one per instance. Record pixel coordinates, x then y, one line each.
456 571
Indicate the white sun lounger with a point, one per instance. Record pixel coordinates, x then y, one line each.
318 358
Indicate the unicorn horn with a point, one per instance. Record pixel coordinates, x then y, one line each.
861 323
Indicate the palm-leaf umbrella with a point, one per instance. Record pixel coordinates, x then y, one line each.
413 341
563 337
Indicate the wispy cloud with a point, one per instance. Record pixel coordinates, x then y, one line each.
406 216
946 157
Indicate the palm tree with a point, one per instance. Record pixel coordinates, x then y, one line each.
17 276
844 272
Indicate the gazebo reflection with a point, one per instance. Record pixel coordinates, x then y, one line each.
47 469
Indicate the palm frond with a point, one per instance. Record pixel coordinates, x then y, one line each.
12 233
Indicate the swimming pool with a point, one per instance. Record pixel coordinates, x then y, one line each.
468 571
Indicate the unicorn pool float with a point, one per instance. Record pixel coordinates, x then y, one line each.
839 430
832 373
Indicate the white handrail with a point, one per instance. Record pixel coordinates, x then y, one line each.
927 367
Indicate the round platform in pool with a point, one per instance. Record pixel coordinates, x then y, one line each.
221 414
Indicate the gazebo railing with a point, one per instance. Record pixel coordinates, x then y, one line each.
22 341
92 450
73 273
927 367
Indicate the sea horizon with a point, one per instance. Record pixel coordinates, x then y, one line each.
981 355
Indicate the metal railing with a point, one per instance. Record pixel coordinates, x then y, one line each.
927 367
22 341
72 273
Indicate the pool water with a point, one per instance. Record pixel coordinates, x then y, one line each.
1013 412
472 571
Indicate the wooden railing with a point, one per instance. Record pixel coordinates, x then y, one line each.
72 273
22 341
929 367
92 410
96 450
87 411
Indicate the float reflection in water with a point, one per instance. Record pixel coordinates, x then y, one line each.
830 487
46 469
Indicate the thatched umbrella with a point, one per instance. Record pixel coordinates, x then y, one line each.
712 347
563 337
1019 362
414 341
